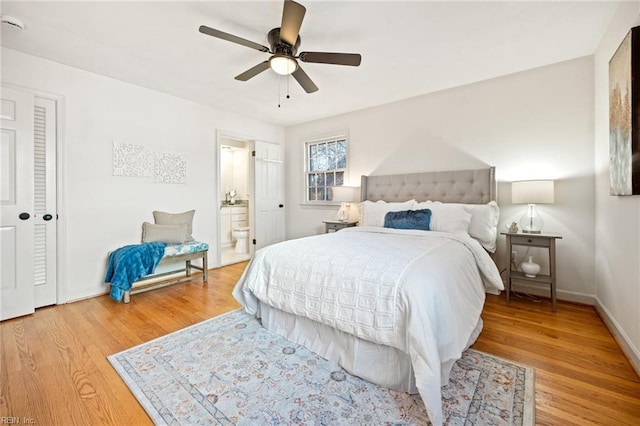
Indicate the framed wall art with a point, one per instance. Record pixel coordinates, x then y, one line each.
624 116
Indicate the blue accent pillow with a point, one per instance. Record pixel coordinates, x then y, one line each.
408 219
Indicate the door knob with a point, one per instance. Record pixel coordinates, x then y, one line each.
47 217
281 205
24 216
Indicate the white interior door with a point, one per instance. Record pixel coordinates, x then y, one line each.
269 194
16 204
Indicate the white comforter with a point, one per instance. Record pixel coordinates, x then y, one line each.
418 291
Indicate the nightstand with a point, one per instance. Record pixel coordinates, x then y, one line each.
547 241
336 225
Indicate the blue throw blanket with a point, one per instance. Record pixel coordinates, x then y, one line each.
130 263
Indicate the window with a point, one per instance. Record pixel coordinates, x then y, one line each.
326 167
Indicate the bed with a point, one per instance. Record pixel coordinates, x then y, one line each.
394 306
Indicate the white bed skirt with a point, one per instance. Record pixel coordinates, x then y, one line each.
380 364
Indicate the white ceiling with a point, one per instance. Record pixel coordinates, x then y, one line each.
408 48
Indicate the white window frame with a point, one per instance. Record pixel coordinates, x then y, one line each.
306 168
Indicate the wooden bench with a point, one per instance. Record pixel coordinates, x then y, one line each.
149 282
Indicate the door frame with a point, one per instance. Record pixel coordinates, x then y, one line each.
61 187
220 133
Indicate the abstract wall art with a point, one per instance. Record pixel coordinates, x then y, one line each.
170 168
132 160
624 116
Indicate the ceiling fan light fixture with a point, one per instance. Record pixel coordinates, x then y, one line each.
284 42
283 65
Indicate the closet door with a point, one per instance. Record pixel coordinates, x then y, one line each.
28 204
16 205
44 208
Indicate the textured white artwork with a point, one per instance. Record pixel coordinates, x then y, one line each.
132 160
170 168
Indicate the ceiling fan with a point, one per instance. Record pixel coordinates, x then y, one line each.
284 42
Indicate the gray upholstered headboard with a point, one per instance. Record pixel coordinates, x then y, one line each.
455 186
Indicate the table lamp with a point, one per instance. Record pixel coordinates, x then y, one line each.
346 195
532 192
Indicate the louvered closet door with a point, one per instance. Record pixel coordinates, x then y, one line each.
45 217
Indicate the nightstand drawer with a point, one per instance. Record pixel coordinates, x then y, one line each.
532 241
333 226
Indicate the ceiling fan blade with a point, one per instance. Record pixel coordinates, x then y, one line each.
352 59
233 39
292 16
304 80
252 72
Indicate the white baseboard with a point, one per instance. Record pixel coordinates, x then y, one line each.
543 291
90 296
629 349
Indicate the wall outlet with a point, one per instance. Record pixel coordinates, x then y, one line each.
514 256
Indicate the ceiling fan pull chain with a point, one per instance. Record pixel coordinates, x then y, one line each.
288 79
279 92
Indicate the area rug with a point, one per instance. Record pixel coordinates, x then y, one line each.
229 370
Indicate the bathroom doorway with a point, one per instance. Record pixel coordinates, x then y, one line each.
235 199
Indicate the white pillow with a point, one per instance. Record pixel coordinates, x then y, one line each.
483 224
164 218
372 214
447 217
170 234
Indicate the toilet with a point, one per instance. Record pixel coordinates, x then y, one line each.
241 234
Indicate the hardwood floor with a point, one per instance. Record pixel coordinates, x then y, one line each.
54 370
582 376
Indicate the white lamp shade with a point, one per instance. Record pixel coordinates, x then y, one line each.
345 194
532 192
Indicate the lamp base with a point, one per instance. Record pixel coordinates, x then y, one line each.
525 231
343 213
531 222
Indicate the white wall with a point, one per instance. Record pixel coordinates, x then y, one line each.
226 172
104 212
617 218
240 173
530 125
235 156
234 172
